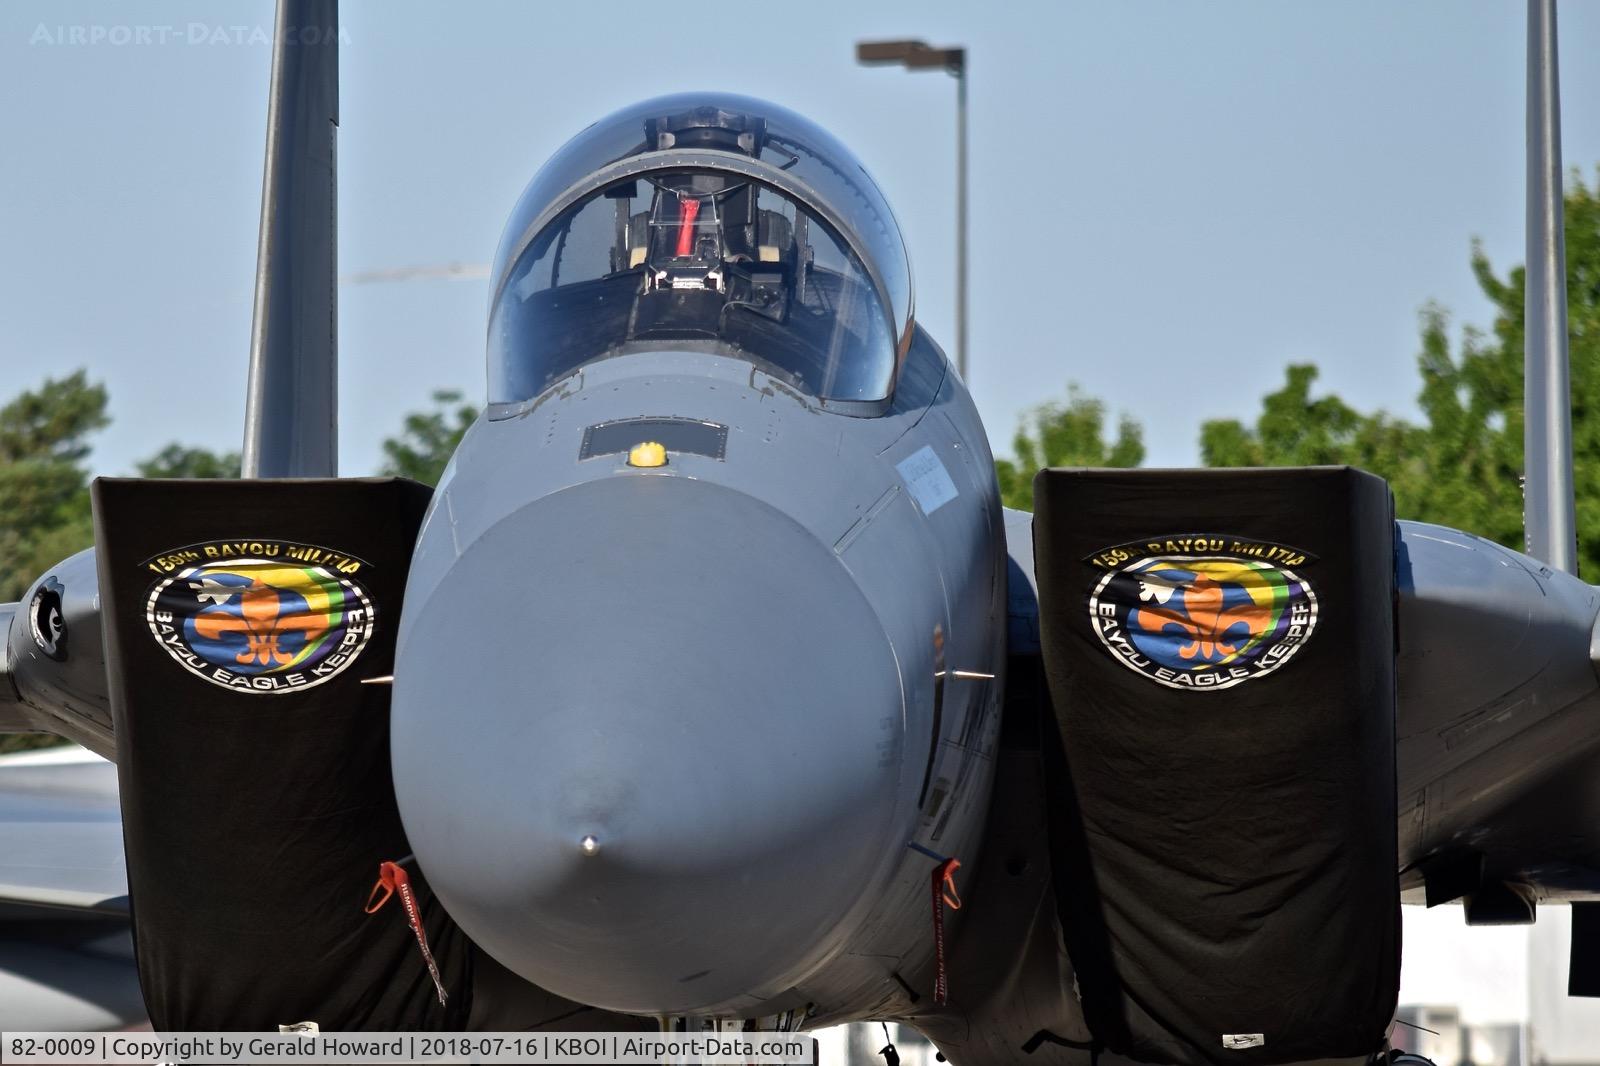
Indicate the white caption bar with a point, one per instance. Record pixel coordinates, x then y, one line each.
617 1049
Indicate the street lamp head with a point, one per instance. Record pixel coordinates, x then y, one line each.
950 60
877 53
913 55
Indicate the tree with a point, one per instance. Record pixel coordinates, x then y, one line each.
429 438
176 460
44 503
1462 466
1296 430
1065 434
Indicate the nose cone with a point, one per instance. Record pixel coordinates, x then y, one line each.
647 740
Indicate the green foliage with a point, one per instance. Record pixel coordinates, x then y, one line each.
1296 430
1065 434
44 505
10 742
429 438
1462 466
53 422
176 460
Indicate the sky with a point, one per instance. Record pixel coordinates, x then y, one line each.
1169 201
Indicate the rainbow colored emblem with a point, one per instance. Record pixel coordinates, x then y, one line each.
1203 621
261 624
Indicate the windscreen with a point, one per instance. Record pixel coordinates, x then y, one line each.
699 260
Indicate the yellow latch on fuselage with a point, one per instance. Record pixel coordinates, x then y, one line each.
649 454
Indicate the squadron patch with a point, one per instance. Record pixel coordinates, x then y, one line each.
1202 612
259 616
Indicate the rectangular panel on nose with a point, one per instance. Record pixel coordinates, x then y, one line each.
676 435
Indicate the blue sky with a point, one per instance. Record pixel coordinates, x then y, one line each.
1170 201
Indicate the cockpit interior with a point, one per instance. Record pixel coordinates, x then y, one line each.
704 245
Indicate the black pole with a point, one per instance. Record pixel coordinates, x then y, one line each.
291 407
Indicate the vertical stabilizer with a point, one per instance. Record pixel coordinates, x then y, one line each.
1547 410
291 410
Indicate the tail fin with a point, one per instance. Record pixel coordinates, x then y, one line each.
1548 504
291 412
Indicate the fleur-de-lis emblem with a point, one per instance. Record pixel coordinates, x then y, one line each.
1202 618
264 619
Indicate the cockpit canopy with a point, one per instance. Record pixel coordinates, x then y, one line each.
713 223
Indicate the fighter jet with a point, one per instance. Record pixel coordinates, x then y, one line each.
713 688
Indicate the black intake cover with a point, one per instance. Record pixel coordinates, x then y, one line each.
240 619
1219 652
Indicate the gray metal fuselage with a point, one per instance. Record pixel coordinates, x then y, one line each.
662 736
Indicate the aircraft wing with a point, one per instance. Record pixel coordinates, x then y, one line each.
61 832
66 958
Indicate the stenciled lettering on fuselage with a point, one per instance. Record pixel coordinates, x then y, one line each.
259 616
1202 612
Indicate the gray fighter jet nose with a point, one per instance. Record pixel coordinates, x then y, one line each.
577 701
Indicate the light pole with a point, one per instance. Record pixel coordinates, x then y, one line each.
917 55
